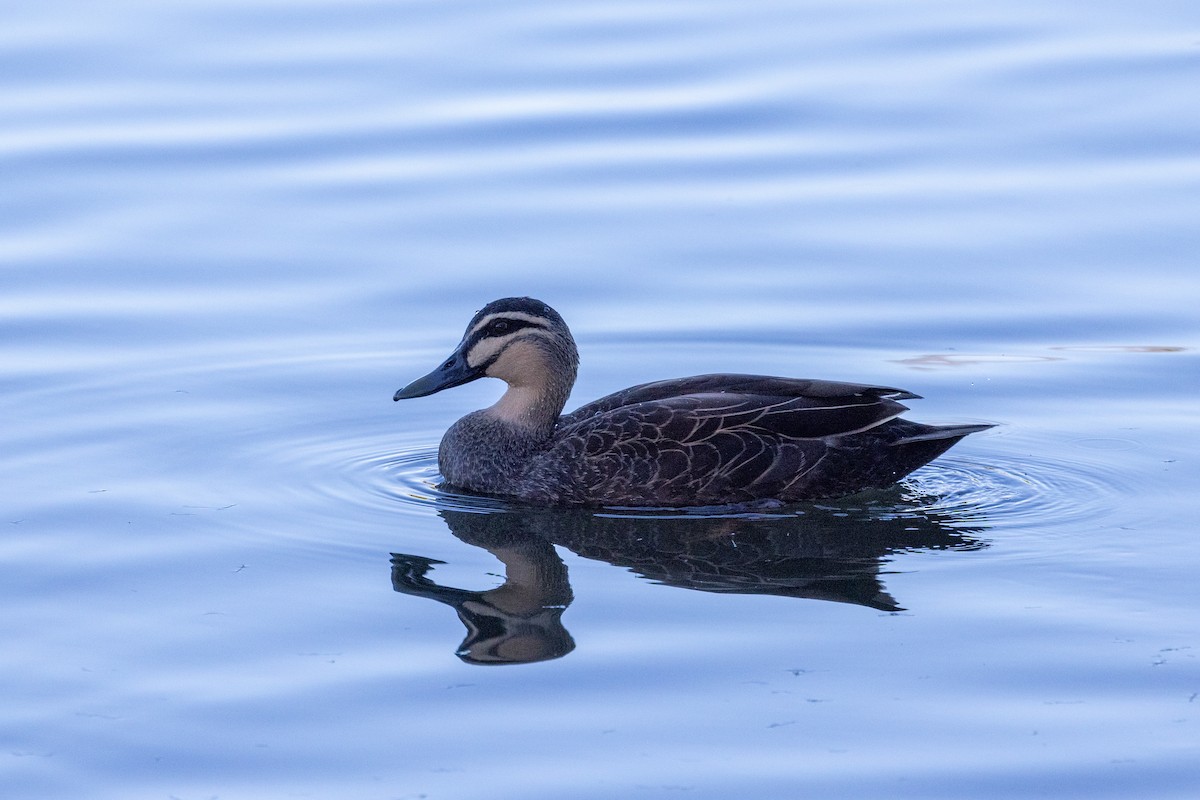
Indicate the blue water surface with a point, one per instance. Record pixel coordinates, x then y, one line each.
230 231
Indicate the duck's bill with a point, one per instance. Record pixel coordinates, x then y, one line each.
453 372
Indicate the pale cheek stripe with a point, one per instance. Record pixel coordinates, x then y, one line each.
489 348
483 351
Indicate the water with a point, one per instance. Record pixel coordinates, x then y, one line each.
231 231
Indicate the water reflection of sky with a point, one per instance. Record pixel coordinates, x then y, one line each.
229 231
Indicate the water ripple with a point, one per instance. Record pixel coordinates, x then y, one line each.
1011 491
1005 492
411 478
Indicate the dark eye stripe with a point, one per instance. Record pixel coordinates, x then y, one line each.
507 325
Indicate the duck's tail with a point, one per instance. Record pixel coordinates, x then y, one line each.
939 433
917 444
879 457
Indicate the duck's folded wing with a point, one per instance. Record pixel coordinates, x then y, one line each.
699 417
707 448
687 408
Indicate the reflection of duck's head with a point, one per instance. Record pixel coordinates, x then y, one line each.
516 622
496 636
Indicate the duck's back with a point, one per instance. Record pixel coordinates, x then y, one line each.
719 439
813 394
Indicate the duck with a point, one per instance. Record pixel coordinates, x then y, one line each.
705 440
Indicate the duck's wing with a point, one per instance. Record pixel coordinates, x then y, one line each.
693 418
788 406
714 447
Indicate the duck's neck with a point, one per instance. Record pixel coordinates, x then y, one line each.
533 407
539 374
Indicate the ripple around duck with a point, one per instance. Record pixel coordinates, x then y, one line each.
1006 492
409 479
1012 491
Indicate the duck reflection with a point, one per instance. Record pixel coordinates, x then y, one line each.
517 622
825 553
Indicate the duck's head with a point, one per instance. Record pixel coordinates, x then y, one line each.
519 340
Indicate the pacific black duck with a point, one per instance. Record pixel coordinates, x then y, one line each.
699 441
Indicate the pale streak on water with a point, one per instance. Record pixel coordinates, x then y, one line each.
229 231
